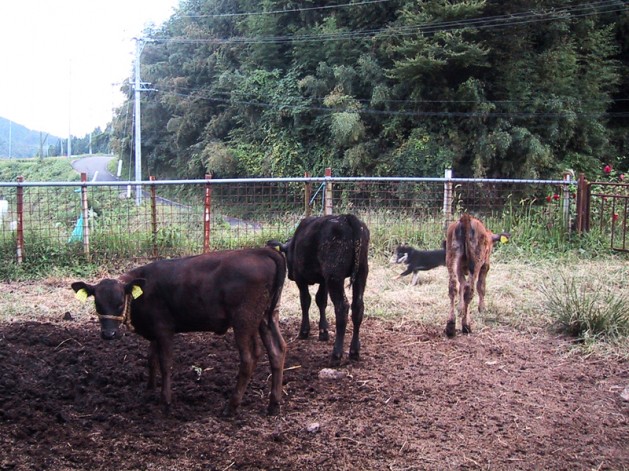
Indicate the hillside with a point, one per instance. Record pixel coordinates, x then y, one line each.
24 142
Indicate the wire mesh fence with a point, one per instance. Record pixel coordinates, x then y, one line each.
110 220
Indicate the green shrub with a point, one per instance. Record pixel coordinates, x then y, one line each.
586 310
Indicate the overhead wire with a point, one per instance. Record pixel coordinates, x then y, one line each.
276 12
415 113
498 21
510 20
190 93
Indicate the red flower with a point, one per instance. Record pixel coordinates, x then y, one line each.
548 198
607 169
614 217
555 196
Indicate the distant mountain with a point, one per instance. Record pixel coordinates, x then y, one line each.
23 141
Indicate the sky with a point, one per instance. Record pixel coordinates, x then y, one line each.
63 61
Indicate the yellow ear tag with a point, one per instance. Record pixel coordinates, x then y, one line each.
136 292
81 295
277 247
504 239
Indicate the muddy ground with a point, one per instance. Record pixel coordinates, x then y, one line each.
496 399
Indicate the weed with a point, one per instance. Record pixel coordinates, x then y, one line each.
585 309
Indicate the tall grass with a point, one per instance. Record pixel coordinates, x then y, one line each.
586 309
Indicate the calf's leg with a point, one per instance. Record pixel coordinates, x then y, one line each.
466 292
452 292
480 286
467 299
276 350
321 299
153 364
248 344
358 310
305 300
341 309
164 347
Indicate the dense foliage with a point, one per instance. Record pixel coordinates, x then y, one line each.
525 88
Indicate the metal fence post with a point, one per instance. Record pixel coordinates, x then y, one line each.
307 195
85 212
565 199
583 205
154 217
327 206
20 220
447 198
207 211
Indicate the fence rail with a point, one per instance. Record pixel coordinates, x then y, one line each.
103 220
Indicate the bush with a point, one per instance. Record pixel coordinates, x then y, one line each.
586 310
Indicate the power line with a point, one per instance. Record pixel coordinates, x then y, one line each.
493 22
276 12
451 114
227 94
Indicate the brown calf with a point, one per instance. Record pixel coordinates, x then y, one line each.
240 289
468 249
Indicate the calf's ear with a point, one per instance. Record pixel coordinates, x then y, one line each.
135 287
502 237
82 290
274 244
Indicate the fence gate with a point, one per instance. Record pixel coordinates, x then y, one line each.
604 205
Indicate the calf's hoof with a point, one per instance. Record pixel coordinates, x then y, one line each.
273 409
335 360
228 411
466 329
451 329
303 334
324 336
354 355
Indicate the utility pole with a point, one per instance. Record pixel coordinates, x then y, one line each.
139 87
70 110
42 141
138 128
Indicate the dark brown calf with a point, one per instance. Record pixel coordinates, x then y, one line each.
211 292
325 250
468 250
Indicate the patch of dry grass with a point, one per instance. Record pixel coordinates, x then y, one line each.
513 298
513 295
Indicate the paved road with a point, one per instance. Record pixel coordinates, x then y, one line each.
95 165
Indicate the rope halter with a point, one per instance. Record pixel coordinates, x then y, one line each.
125 318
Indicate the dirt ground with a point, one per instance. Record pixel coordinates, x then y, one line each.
495 399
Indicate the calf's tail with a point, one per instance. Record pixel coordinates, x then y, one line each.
278 285
465 236
359 236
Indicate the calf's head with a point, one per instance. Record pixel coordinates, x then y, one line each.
112 300
286 250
